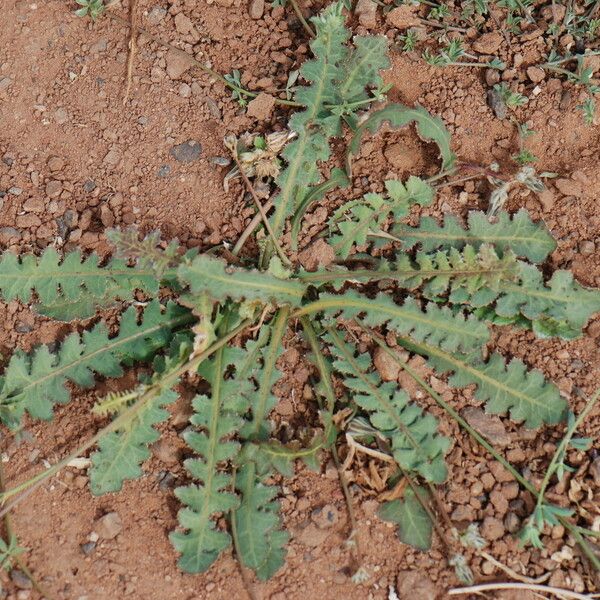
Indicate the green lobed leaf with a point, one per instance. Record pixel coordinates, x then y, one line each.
414 525
34 382
314 124
436 325
363 68
416 444
74 281
505 388
474 278
260 541
518 234
561 299
430 128
213 276
121 453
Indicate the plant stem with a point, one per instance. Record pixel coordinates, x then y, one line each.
301 18
25 489
267 206
562 447
18 560
284 259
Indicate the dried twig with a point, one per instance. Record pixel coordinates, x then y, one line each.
532 587
132 49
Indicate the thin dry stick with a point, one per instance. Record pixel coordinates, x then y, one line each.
301 18
132 49
490 587
512 573
259 207
349 506
267 206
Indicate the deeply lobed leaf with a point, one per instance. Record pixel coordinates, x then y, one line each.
416 444
414 525
36 381
436 325
518 234
260 540
73 286
505 388
206 274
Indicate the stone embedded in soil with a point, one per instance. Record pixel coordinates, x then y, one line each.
257 9
261 107
55 163
177 63
187 152
403 17
312 536
489 426
318 254
20 579
568 187
488 43
166 451
5 83
183 24
587 247
411 585
366 10
156 15
325 517
547 198
386 366
495 102
88 548
109 526
53 188
492 529
61 116
536 74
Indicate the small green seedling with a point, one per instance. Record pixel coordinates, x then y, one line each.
93 8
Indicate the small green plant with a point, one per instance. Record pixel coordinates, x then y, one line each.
510 98
432 288
9 551
236 86
93 8
453 52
